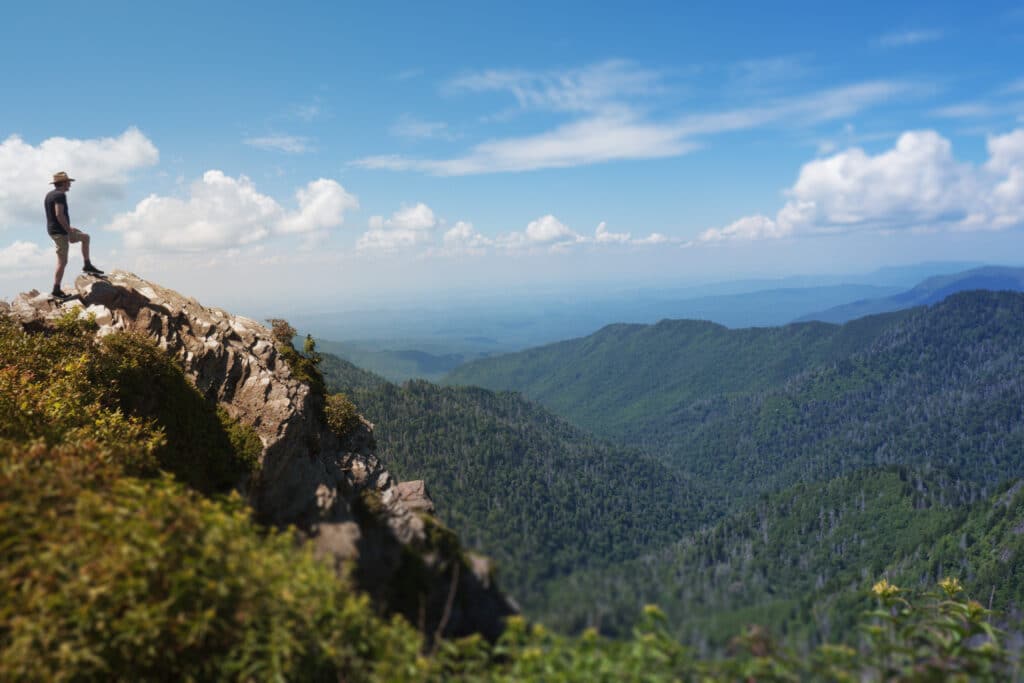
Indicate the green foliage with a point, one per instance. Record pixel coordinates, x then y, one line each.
614 379
246 444
755 410
124 394
526 488
110 577
792 562
304 368
909 638
204 446
51 391
282 331
342 415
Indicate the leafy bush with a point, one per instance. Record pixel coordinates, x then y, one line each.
123 393
111 577
342 415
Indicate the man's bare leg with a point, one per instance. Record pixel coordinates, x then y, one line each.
85 246
58 276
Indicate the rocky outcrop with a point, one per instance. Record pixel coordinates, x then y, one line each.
335 490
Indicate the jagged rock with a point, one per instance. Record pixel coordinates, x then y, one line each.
414 495
308 477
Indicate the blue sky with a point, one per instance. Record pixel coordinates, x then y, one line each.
331 154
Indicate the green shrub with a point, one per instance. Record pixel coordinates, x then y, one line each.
342 415
124 394
111 577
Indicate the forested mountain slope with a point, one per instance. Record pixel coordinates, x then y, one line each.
800 561
623 373
540 496
939 386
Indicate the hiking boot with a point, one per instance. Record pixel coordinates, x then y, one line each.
57 293
91 269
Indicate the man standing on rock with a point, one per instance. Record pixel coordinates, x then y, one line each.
58 225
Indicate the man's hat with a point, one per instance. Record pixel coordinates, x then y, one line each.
61 177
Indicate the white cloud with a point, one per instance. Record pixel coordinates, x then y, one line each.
280 143
917 185
223 212
1014 87
407 227
905 38
463 234
591 88
616 132
21 257
463 238
603 236
654 238
747 228
757 73
411 127
965 110
102 166
547 229
322 206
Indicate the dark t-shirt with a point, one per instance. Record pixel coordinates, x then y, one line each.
53 198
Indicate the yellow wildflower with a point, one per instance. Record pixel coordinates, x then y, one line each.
883 589
951 585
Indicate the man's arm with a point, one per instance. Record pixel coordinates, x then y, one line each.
62 218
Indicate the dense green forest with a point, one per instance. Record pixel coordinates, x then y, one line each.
799 561
537 494
126 557
751 411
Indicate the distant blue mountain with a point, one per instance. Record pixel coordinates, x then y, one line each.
932 290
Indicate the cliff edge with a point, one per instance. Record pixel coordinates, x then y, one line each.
334 490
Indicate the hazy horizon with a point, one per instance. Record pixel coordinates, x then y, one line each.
343 158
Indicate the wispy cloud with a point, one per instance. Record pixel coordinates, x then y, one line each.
965 110
408 74
410 127
758 74
1014 87
912 37
589 141
292 144
587 89
309 111
611 131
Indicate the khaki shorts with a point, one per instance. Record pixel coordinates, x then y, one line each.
62 241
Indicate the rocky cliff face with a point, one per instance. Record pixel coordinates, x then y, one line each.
334 490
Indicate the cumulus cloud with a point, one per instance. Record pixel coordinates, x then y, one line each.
102 166
547 232
463 235
409 226
21 257
603 236
222 212
917 185
549 229
322 206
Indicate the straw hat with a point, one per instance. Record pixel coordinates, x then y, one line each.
61 177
